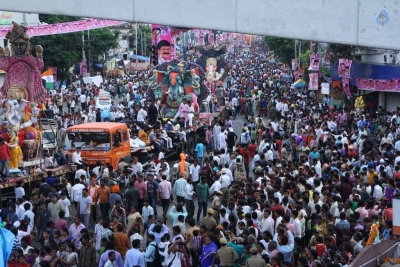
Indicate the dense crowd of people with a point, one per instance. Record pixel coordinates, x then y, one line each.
302 184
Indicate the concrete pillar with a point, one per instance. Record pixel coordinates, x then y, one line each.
381 100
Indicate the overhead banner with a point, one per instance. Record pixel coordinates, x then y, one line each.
66 27
314 62
346 87
325 88
344 67
392 85
161 38
313 84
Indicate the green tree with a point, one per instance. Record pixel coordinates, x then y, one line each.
336 51
101 40
60 50
283 48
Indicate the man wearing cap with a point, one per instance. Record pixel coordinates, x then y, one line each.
209 221
226 255
255 261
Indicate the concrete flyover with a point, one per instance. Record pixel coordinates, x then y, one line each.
370 23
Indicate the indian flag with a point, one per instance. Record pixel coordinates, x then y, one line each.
48 77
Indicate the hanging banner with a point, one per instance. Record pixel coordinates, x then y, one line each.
392 85
313 84
344 67
66 27
314 62
294 64
83 68
346 87
161 38
297 75
205 118
325 88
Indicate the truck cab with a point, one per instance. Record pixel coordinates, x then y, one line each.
106 142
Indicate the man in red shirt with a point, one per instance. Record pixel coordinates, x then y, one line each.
4 158
246 160
252 148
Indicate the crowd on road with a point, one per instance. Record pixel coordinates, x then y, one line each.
303 184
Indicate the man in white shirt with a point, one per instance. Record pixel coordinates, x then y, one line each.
82 100
225 182
80 172
267 224
215 187
296 224
194 172
269 155
136 166
141 117
189 193
76 158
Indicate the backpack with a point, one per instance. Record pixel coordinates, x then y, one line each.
157 259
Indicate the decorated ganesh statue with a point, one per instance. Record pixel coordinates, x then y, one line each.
22 87
175 84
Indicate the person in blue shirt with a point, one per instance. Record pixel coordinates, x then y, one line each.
153 192
200 148
287 243
314 154
150 252
134 257
50 179
175 211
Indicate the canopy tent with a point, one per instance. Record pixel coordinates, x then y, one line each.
138 57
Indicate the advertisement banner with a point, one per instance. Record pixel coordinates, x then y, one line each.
6 18
314 62
294 64
344 67
83 68
297 75
205 118
392 85
313 84
325 88
346 87
161 38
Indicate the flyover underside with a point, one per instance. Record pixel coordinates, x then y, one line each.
370 23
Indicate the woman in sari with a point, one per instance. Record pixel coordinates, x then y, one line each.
134 220
54 261
65 237
207 256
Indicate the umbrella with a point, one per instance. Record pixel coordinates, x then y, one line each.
272 61
299 83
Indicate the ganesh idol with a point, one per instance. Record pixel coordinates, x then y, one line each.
212 76
23 80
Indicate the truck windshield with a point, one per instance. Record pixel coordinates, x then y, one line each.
48 137
87 141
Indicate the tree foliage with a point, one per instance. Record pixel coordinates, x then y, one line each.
336 51
65 50
60 50
283 48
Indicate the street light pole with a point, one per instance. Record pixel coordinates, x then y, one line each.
136 36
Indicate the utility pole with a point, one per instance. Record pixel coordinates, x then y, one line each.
136 50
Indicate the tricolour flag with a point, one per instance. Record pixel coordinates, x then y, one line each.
48 77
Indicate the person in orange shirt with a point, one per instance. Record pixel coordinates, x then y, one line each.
370 175
103 195
122 244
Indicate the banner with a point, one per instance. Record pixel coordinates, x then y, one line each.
161 38
6 18
313 84
205 118
294 64
346 87
83 68
314 62
392 85
344 67
325 88
66 27
297 75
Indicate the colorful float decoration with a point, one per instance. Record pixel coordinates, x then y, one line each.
180 86
21 89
